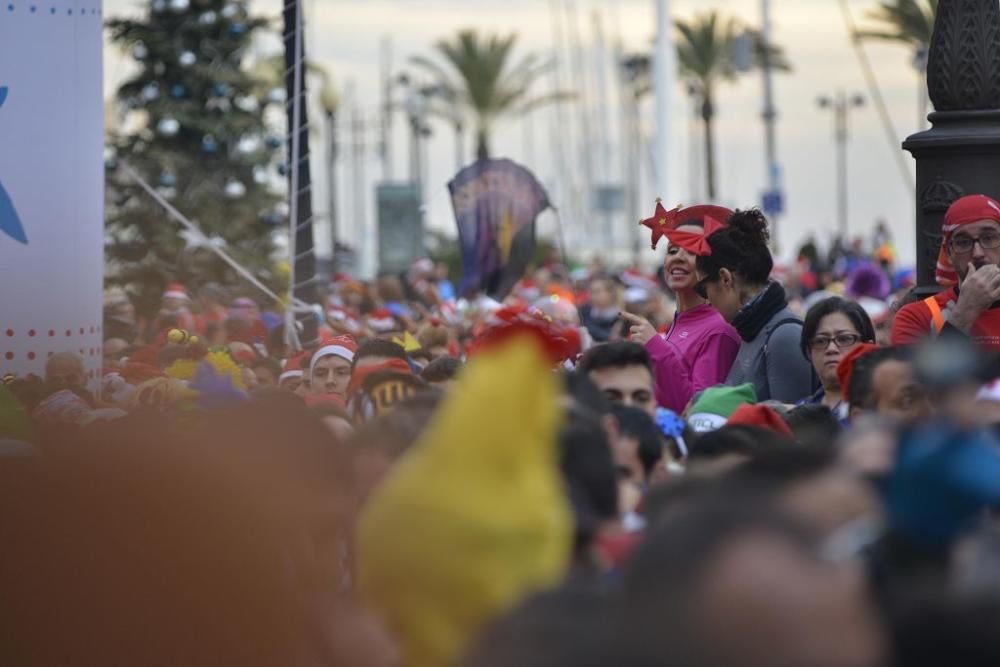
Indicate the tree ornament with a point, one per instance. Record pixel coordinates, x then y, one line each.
139 51
168 179
273 142
283 169
276 95
221 103
178 6
187 59
247 103
220 89
208 18
168 127
151 91
248 145
271 218
238 29
209 145
178 91
235 189
230 10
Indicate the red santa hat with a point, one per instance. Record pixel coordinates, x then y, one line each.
292 367
343 317
845 369
636 279
341 346
760 415
968 209
176 291
382 320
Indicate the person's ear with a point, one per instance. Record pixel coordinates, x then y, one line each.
726 278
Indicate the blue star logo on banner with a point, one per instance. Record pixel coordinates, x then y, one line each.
10 223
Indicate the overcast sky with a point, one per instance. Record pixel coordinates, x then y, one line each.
345 36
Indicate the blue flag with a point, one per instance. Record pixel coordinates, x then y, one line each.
496 203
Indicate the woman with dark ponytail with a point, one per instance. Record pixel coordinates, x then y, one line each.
734 275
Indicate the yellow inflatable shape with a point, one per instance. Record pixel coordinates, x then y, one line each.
475 517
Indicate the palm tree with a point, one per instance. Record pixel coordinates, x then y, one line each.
482 80
907 22
705 54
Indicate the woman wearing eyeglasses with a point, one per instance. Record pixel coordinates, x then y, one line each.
833 327
735 269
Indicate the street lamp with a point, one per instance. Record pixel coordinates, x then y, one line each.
329 99
841 104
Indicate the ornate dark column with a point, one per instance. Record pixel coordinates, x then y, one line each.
960 154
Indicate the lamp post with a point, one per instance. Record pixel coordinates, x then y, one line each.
841 105
960 153
329 99
663 81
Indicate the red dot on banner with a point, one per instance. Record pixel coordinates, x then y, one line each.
31 356
31 332
52 333
81 331
91 329
68 333
10 332
9 355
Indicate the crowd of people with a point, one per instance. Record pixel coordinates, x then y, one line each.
726 463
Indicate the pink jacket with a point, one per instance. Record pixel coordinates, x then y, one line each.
696 353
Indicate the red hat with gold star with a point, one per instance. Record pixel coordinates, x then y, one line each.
664 221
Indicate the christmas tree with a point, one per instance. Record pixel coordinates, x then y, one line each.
206 129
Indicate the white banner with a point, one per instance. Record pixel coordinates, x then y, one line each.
51 183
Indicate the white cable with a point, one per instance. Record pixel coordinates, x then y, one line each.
291 335
222 254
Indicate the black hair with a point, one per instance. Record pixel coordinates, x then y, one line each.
776 467
669 570
637 424
618 354
741 439
741 247
379 347
814 425
441 369
586 396
912 295
269 363
849 309
569 626
861 391
394 433
590 475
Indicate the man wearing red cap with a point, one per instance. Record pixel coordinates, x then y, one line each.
968 269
